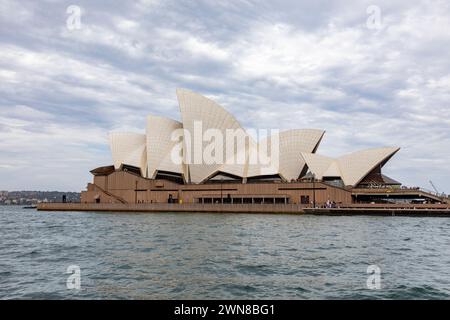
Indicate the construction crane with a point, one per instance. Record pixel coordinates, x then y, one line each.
434 187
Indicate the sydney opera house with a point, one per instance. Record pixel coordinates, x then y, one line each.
167 164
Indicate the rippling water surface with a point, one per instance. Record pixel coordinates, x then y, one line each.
221 256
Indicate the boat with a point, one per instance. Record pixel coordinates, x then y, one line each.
30 207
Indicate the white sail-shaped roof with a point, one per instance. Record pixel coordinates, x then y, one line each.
355 166
197 108
204 119
288 163
262 158
129 148
318 164
292 144
351 168
237 163
333 170
160 145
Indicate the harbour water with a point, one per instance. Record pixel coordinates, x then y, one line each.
221 256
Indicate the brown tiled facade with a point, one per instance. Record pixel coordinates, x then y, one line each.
127 187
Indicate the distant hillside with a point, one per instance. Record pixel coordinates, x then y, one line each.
33 197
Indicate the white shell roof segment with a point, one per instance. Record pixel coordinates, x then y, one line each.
195 107
129 148
160 145
355 166
317 163
291 145
352 168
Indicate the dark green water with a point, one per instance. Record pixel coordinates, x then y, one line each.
221 256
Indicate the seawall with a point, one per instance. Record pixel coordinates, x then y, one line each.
168 207
355 209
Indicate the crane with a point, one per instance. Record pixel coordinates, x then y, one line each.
434 187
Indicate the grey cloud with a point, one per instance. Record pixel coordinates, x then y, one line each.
283 64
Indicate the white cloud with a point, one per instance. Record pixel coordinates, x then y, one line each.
289 65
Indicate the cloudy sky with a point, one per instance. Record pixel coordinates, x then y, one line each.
330 65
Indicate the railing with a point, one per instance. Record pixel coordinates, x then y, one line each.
394 206
402 190
110 194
